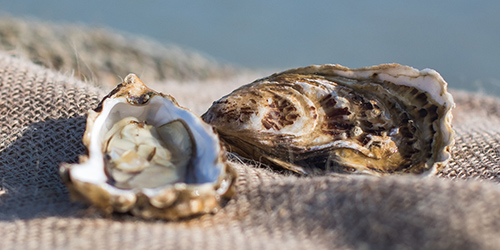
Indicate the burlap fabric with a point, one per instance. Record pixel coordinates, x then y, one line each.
42 119
101 56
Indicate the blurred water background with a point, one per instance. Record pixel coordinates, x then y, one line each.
460 39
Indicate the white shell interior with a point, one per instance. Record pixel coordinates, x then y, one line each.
156 112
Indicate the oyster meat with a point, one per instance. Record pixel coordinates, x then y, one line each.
379 120
149 157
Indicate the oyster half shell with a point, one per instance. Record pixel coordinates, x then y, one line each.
150 157
375 120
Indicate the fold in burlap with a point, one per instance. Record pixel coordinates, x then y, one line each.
42 119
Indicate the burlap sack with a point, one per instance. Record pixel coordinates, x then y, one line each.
42 119
100 56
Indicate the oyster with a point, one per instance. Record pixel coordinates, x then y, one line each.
376 120
150 157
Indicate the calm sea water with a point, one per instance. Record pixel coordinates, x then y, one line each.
460 39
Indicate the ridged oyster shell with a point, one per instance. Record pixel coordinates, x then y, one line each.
376 120
149 157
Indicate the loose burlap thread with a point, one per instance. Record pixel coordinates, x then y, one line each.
42 120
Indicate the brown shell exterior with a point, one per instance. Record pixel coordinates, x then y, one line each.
329 118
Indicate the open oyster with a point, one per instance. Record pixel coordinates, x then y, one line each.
377 120
150 157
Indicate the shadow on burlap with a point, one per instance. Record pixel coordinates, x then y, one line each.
33 161
42 119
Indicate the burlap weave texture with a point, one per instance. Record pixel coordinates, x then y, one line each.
42 119
97 55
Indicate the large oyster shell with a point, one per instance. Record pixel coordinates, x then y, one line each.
377 120
150 157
